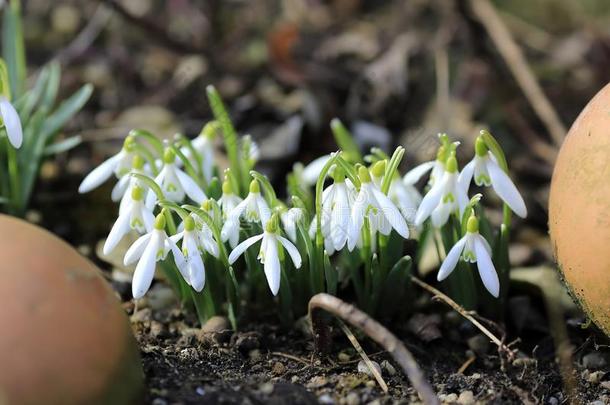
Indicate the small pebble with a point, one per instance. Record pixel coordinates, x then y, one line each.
594 360
317 382
344 357
387 366
278 368
466 398
364 368
352 399
553 401
449 398
215 324
326 399
200 391
255 355
266 388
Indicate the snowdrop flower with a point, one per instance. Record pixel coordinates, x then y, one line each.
175 183
290 218
11 122
473 248
437 166
228 200
486 172
135 215
312 171
122 189
204 146
147 251
337 201
444 198
193 269
202 232
119 165
268 254
253 208
371 203
405 196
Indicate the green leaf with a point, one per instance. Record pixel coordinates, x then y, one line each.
63 146
396 287
52 88
13 50
331 276
64 112
230 137
32 97
345 140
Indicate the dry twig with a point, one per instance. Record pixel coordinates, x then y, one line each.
466 314
366 359
372 329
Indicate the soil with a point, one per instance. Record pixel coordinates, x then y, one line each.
263 363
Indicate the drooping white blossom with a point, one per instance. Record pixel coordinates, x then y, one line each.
119 165
269 253
135 215
147 251
473 248
253 208
290 219
372 204
444 198
228 200
175 183
486 172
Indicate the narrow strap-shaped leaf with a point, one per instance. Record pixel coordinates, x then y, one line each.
63 146
13 50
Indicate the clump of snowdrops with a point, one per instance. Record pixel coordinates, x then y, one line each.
226 242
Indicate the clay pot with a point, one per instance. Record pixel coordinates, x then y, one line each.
64 338
579 209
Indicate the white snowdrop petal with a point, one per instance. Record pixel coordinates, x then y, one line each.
242 247
263 209
145 271
312 170
357 219
12 122
197 273
505 188
415 174
392 214
292 251
149 219
429 203
119 229
178 256
136 249
191 188
272 265
451 260
487 271
339 220
119 188
465 177
99 175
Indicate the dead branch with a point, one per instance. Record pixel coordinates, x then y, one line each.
466 314
372 329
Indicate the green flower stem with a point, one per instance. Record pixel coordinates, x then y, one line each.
153 140
350 172
269 191
146 154
192 172
184 141
391 169
13 171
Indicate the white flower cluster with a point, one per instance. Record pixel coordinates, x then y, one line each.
354 208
